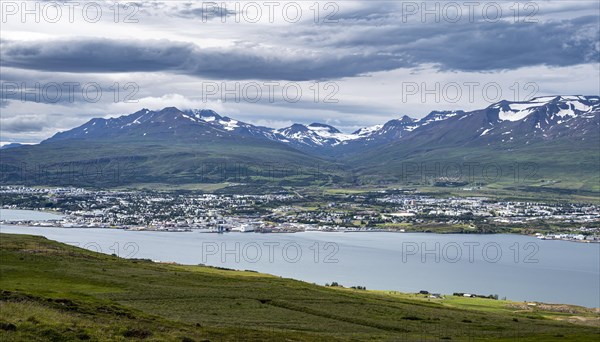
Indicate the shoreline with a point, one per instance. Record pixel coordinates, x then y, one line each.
205 231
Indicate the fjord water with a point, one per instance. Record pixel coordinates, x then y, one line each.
547 271
27 215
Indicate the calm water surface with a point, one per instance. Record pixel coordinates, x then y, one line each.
27 215
518 267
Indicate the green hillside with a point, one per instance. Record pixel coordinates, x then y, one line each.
557 169
114 163
55 292
554 167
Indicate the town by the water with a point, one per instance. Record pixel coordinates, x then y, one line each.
396 210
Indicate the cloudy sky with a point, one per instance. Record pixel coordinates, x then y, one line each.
347 63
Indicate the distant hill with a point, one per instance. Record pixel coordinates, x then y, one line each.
11 145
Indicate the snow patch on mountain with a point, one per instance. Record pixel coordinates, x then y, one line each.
485 132
329 132
436 116
513 115
366 131
190 118
229 125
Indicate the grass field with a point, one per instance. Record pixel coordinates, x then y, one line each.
55 292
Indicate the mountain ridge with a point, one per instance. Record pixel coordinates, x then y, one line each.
505 130
318 135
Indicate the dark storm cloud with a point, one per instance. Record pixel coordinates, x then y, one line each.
94 55
329 51
21 124
106 55
476 46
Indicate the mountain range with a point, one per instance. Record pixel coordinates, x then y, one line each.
560 134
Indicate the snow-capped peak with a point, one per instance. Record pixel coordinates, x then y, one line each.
562 106
315 134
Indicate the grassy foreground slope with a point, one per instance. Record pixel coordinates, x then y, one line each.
52 291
